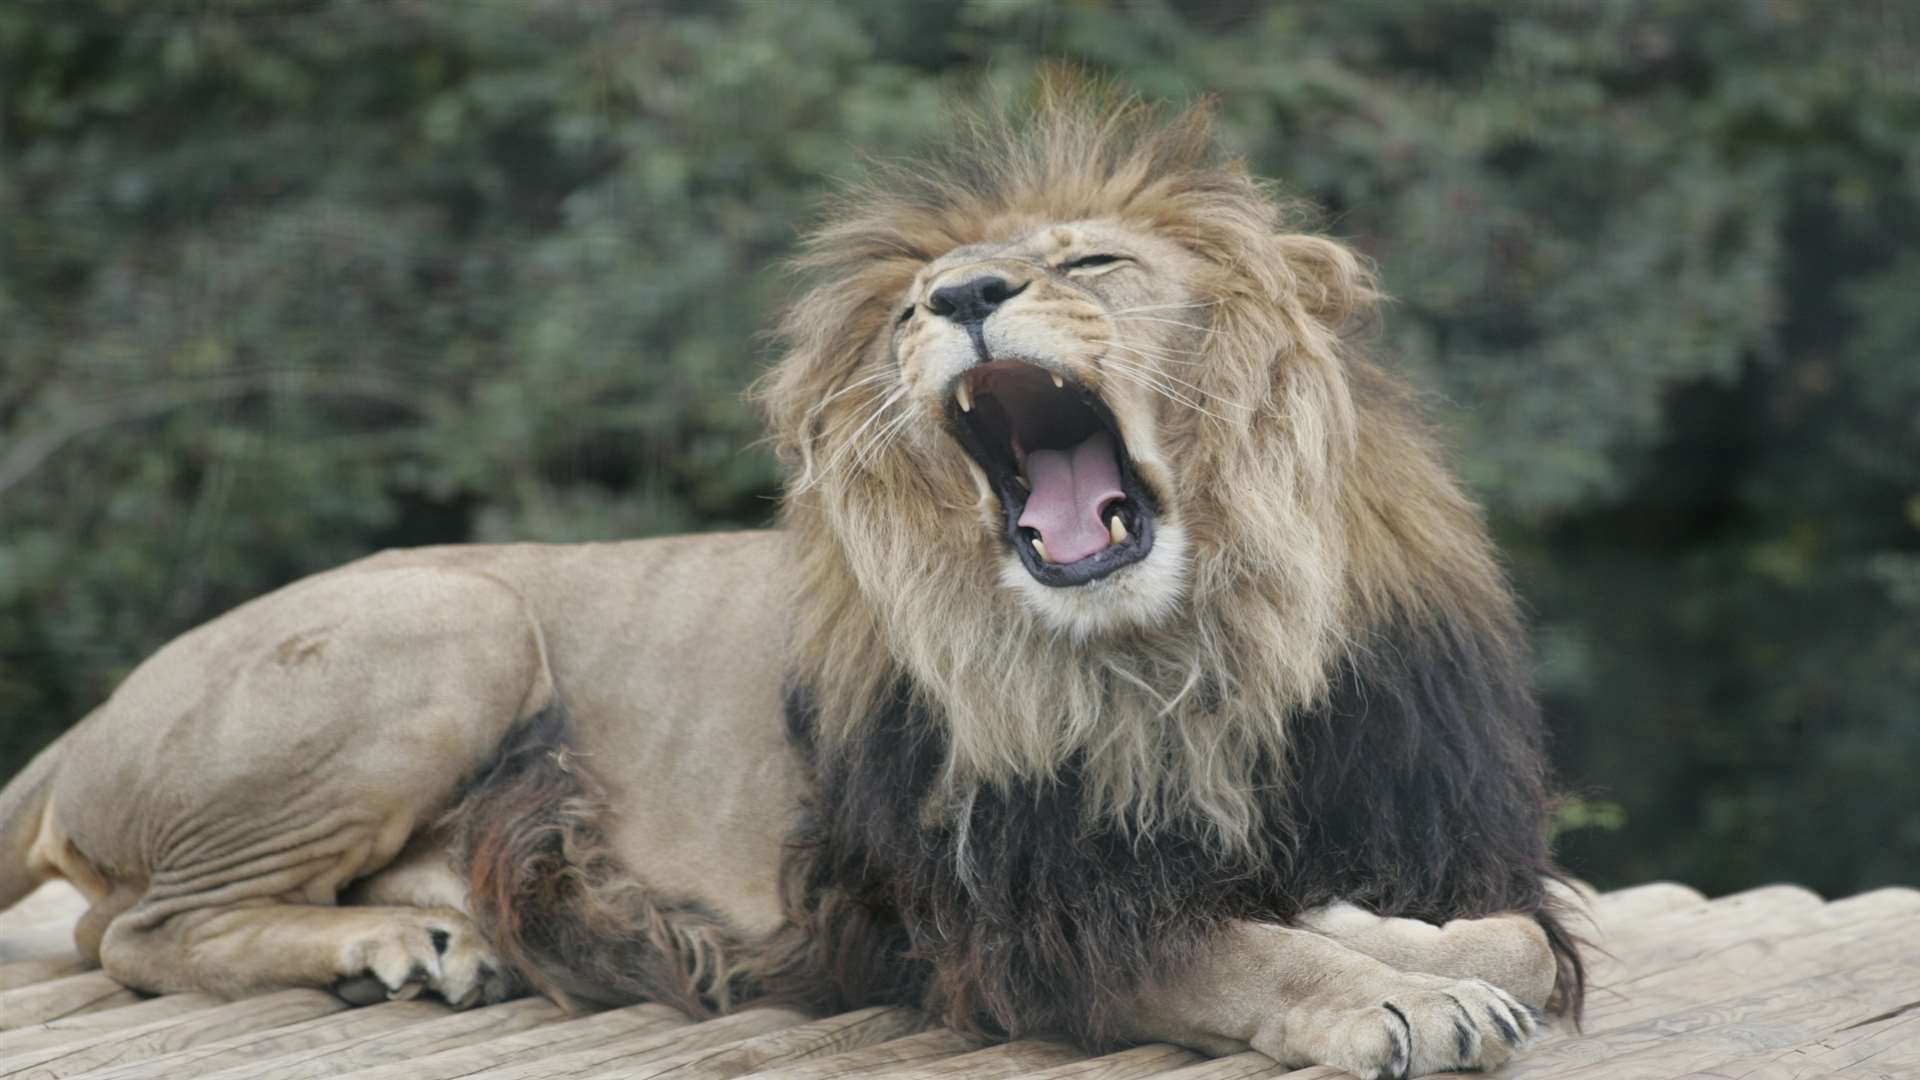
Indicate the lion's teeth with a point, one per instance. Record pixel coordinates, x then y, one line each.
1058 382
1040 549
1117 530
963 393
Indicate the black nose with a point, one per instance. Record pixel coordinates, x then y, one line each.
972 301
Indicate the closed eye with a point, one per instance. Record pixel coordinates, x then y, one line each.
1091 262
904 315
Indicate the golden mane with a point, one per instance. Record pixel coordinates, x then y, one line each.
1318 510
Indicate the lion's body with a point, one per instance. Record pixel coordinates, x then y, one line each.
1103 725
661 645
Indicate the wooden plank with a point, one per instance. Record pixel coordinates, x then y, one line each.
1624 905
1007 1059
529 1045
912 1051
1692 937
1154 1059
811 1040
87 992
1901 1065
1767 905
93 1024
27 972
1653 990
1781 1015
1890 1045
404 1044
1892 898
1251 1065
169 1035
40 941
627 1055
252 1046
56 901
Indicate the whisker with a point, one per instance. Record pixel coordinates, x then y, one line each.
1166 307
1140 377
868 379
1150 350
1195 327
1198 390
853 440
1203 392
884 440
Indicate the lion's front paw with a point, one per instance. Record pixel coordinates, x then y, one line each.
1467 1024
430 950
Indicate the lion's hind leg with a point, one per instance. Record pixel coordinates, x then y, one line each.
254 770
1510 951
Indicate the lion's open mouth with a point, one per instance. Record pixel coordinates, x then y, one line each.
1075 508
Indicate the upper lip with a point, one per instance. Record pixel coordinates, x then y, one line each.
991 406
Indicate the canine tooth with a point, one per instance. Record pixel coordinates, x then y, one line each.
1117 530
1040 549
963 393
1058 382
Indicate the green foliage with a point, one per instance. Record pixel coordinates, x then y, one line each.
281 284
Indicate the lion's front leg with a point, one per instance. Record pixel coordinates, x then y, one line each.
1510 951
1305 999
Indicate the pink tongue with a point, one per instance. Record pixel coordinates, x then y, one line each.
1070 487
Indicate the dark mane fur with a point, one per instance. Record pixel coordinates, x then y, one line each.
1417 791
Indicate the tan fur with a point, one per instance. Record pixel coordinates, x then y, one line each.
218 805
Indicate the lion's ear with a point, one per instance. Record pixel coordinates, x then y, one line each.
1331 281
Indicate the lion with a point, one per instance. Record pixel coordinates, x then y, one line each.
1125 664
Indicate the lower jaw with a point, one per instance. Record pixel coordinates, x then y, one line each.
1096 567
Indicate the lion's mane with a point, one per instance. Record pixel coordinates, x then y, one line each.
1025 823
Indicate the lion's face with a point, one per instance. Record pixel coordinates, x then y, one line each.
1076 378
1045 362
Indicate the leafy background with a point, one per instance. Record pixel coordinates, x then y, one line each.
282 283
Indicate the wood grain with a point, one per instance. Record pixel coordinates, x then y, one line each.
1771 1012
1687 977
912 1051
815 1039
167 1036
1251 1065
1151 1060
93 1025
362 1051
530 1045
1007 1059
1891 1044
1741 914
1625 905
67 996
266 1042
27 972
626 1055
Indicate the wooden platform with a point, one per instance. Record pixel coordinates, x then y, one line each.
1772 983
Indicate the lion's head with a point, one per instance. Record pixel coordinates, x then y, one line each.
1080 454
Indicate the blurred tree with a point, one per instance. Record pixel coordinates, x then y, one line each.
281 283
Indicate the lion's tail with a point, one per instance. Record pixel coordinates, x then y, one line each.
23 811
